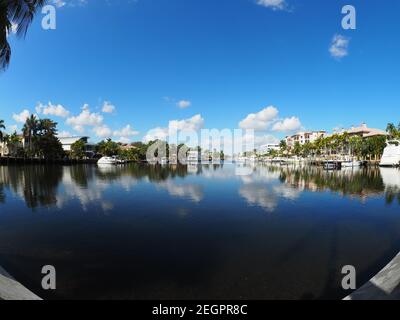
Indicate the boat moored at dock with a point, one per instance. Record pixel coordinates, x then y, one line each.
110 160
391 154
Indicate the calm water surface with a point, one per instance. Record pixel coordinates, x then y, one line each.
211 231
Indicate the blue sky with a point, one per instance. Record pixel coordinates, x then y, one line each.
209 63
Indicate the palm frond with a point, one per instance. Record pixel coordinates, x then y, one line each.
19 13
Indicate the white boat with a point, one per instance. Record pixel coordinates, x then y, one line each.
110 160
164 160
107 160
351 164
391 154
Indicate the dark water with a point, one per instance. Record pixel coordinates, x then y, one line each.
215 232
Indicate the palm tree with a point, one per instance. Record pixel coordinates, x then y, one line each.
19 13
47 127
30 129
2 126
283 146
12 142
391 129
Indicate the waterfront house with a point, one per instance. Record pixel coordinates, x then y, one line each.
7 149
67 142
264 149
364 132
304 137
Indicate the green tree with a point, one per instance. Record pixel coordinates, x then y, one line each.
297 148
108 148
283 147
392 130
307 149
356 146
13 142
29 131
40 137
78 149
19 13
46 127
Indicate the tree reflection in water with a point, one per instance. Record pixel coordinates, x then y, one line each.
39 185
353 182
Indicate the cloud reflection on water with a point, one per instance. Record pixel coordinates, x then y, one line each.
263 186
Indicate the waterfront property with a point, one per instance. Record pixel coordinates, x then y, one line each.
67 142
266 148
364 132
304 137
10 148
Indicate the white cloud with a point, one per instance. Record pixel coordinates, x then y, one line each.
85 118
183 104
339 47
58 3
260 121
108 107
124 140
273 4
52 109
194 192
102 131
126 132
156 134
194 123
63 134
251 140
21 117
69 3
79 129
288 124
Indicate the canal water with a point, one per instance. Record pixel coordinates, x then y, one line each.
196 232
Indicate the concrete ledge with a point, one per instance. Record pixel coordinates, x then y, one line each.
10 289
384 286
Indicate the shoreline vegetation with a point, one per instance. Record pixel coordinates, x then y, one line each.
38 143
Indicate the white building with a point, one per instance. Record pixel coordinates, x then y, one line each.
269 147
68 141
304 137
